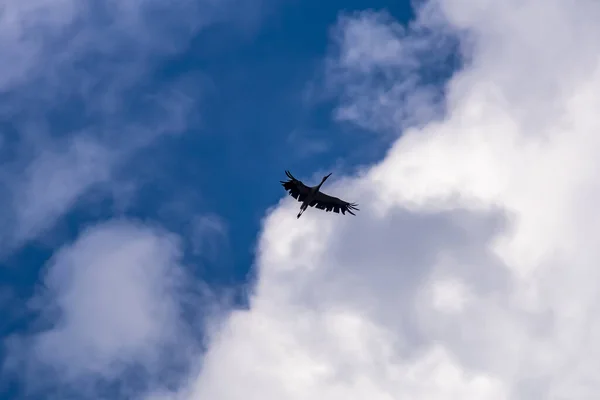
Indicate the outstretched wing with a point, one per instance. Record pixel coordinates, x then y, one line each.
328 203
295 188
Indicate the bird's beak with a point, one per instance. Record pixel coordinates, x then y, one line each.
327 176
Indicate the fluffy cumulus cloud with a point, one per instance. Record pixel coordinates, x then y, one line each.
471 271
111 301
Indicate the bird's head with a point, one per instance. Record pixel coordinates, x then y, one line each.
326 176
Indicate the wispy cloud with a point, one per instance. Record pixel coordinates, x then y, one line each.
78 97
388 76
471 270
307 143
209 235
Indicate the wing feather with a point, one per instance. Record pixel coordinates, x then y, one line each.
329 203
295 188
322 201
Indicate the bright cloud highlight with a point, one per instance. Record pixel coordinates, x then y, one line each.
471 270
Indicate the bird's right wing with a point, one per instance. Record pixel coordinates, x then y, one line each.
295 188
329 203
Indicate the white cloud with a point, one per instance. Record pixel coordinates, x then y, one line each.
471 271
112 300
376 68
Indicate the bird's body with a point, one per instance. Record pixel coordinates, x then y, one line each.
313 197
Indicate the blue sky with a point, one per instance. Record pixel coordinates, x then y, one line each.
148 251
247 105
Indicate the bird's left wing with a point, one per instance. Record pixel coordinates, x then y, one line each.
328 203
295 188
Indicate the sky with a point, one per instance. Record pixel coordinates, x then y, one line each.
149 252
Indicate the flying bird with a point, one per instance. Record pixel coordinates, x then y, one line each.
312 196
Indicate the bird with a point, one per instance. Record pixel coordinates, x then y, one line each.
312 196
